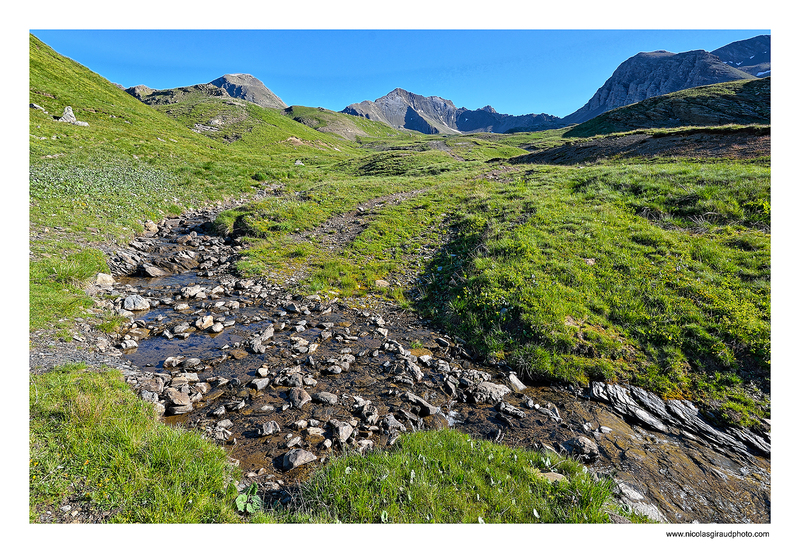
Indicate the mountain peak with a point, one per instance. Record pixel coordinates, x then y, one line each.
247 87
649 74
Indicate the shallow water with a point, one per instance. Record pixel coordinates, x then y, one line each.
673 476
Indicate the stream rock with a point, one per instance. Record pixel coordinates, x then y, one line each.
136 302
488 392
296 458
262 368
583 448
298 397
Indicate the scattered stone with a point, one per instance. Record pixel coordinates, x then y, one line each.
553 477
489 392
136 303
341 430
425 407
268 428
298 397
177 397
259 383
509 409
582 447
103 279
204 322
326 398
69 117
515 382
296 458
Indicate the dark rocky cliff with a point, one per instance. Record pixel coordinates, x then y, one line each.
649 74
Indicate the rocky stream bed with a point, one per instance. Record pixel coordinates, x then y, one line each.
284 382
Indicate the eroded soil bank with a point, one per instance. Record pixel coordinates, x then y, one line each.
285 381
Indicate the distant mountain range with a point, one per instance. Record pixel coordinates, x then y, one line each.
433 115
645 75
642 76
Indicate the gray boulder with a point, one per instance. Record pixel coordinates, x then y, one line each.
296 458
136 303
489 392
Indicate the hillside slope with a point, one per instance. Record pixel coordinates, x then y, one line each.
649 74
738 102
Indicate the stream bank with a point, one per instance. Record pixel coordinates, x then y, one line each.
285 381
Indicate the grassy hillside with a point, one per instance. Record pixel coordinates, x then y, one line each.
651 273
346 126
737 102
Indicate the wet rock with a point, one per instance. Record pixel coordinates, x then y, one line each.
436 421
582 447
171 362
204 322
298 397
508 409
153 384
301 424
237 353
136 302
425 407
191 291
153 271
296 458
268 428
389 422
259 383
179 409
177 397
326 398
341 430
515 383
369 413
192 363
488 392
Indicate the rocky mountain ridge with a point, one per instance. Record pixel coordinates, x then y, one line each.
649 74
234 85
435 115
643 76
751 56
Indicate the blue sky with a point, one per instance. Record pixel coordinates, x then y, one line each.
515 71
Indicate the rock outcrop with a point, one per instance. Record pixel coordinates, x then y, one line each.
247 87
239 85
649 74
